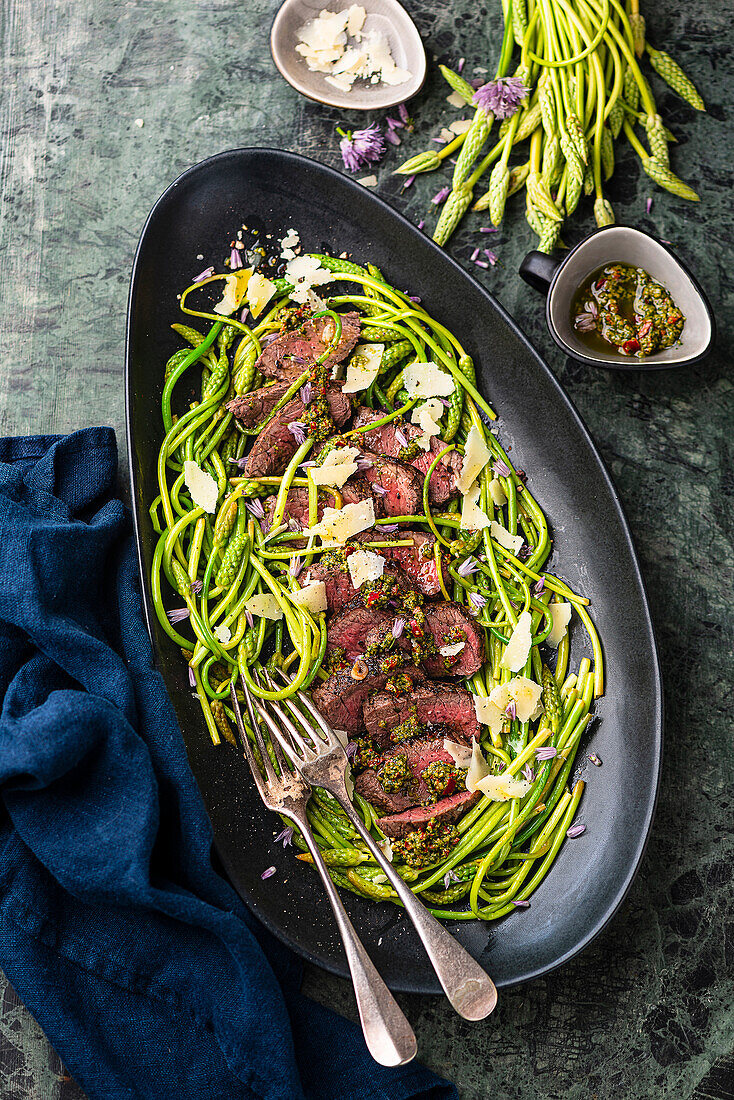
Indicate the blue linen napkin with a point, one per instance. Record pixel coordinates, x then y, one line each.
142 965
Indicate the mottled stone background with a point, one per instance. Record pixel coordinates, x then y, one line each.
647 1011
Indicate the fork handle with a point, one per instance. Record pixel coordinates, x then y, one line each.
387 1033
470 990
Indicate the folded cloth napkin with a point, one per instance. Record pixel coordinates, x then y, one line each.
144 968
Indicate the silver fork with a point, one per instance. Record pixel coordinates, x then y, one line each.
323 762
387 1033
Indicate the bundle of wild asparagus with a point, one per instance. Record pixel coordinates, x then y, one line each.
577 88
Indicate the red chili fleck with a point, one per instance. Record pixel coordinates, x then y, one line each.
372 597
630 346
645 328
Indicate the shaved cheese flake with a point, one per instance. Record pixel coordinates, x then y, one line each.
235 286
363 367
367 181
356 16
427 380
222 633
312 597
365 566
504 538
501 788
456 100
426 416
265 605
339 524
521 691
497 493
517 649
473 518
338 465
476 457
201 485
478 768
259 292
488 713
451 650
460 754
460 126
561 613
324 43
305 272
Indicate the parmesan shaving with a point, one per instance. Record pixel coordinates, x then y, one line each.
363 367
259 292
504 538
476 457
367 181
427 380
460 754
497 493
426 417
338 465
517 649
451 650
339 524
488 713
478 768
473 518
312 597
235 286
201 485
561 613
222 633
501 788
305 272
264 605
456 100
460 126
521 691
335 43
364 566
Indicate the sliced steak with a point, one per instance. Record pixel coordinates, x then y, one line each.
398 485
450 623
419 754
417 560
289 355
275 446
340 698
446 810
357 488
296 507
383 441
251 408
438 705
351 626
331 568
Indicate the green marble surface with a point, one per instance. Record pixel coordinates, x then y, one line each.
647 1011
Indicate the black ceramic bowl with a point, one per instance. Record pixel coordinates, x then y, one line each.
560 276
199 213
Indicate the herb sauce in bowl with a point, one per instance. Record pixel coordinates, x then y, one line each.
623 307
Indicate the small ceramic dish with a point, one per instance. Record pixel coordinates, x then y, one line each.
386 16
560 278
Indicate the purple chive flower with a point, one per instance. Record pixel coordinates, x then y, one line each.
421 224
528 773
450 876
244 313
595 760
477 601
295 567
350 749
197 587
539 586
521 904
511 709
295 524
255 508
474 255
298 431
401 437
363 464
306 393
235 260
390 527
491 256
523 552
440 196
487 228
409 182
467 567
415 298
584 322
575 830
379 490
477 81
268 338
648 204
249 618
192 678
394 123
285 838
501 469
404 116
392 137
481 263
267 874
546 752
360 148
502 97
177 615
460 65
203 274
398 627
240 463
439 140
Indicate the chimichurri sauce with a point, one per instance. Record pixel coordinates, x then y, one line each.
624 307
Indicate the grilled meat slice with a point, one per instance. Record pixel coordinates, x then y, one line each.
449 623
290 354
398 485
384 441
340 698
275 446
438 705
331 568
418 560
251 408
446 810
349 628
418 754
